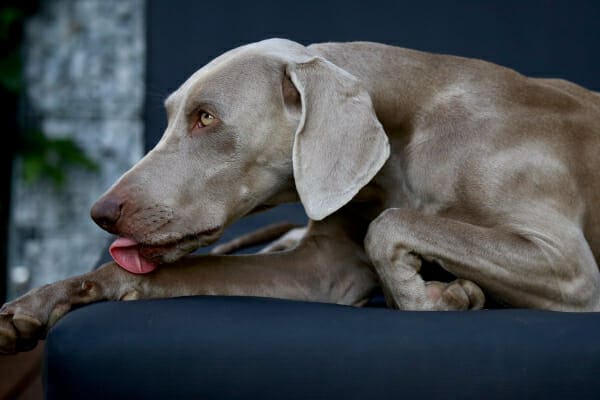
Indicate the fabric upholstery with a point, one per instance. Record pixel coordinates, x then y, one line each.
255 348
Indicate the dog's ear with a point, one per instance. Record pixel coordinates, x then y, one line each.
339 144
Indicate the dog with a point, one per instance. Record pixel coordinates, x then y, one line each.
398 157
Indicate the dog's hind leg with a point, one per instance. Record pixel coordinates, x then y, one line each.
263 235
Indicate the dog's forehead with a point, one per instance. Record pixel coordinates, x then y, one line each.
248 61
281 49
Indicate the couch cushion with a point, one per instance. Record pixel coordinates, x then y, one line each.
255 348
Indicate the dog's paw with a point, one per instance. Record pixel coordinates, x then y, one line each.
27 319
20 326
460 294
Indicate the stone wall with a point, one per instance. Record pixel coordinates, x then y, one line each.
84 72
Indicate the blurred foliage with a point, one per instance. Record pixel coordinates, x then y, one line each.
10 64
11 32
10 72
42 157
49 157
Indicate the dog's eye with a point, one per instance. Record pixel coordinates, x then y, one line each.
204 119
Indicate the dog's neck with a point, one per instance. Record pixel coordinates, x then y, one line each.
400 83
418 76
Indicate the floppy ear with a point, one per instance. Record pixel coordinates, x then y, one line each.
339 144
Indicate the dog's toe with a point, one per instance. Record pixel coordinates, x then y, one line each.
460 294
8 335
27 326
474 292
455 297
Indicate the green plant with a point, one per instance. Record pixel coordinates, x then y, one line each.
44 157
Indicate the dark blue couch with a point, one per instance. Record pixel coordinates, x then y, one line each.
255 348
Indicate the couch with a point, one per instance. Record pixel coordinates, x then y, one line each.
211 347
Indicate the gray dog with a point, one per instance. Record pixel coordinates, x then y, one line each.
397 156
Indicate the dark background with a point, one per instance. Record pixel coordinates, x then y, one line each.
539 38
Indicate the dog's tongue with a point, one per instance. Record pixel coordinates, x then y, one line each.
126 253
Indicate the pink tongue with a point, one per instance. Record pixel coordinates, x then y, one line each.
125 253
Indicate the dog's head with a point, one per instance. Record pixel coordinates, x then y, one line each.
262 124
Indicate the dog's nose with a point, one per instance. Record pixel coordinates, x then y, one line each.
106 212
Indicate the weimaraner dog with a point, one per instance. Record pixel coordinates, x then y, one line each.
398 156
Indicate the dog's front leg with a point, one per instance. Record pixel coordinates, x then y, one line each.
538 264
306 273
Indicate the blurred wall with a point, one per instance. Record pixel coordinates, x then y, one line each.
84 73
